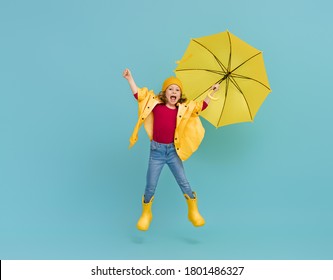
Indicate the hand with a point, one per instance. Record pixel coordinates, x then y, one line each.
127 74
215 87
210 95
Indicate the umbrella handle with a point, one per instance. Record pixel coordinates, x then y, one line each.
212 97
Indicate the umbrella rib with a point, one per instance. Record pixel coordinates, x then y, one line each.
207 89
230 52
248 78
217 60
246 61
233 81
198 69
199 95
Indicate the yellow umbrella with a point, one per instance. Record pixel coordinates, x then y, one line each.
239 69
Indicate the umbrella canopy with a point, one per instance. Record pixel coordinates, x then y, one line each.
239 69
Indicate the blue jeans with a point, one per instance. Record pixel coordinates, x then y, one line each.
161 154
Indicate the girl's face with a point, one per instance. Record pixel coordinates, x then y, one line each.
173 94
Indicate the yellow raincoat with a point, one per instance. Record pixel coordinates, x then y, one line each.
189 130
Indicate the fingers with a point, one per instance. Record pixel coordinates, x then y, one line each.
216 87
126 73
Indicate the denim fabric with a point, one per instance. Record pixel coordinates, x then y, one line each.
161 154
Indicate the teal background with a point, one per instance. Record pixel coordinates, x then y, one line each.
71 189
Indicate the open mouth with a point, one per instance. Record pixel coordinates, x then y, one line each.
173 98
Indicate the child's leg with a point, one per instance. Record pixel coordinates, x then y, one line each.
156 163
176 166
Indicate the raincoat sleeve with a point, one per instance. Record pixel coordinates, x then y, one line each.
198 108
145 97
143 93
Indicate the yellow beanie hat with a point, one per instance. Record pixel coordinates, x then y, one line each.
172 81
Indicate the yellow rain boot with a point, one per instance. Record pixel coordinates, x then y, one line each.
146 216
193 213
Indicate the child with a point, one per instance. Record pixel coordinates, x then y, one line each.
175 131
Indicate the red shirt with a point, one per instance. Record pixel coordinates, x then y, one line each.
165 120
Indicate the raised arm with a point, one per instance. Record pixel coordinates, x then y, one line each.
128 76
